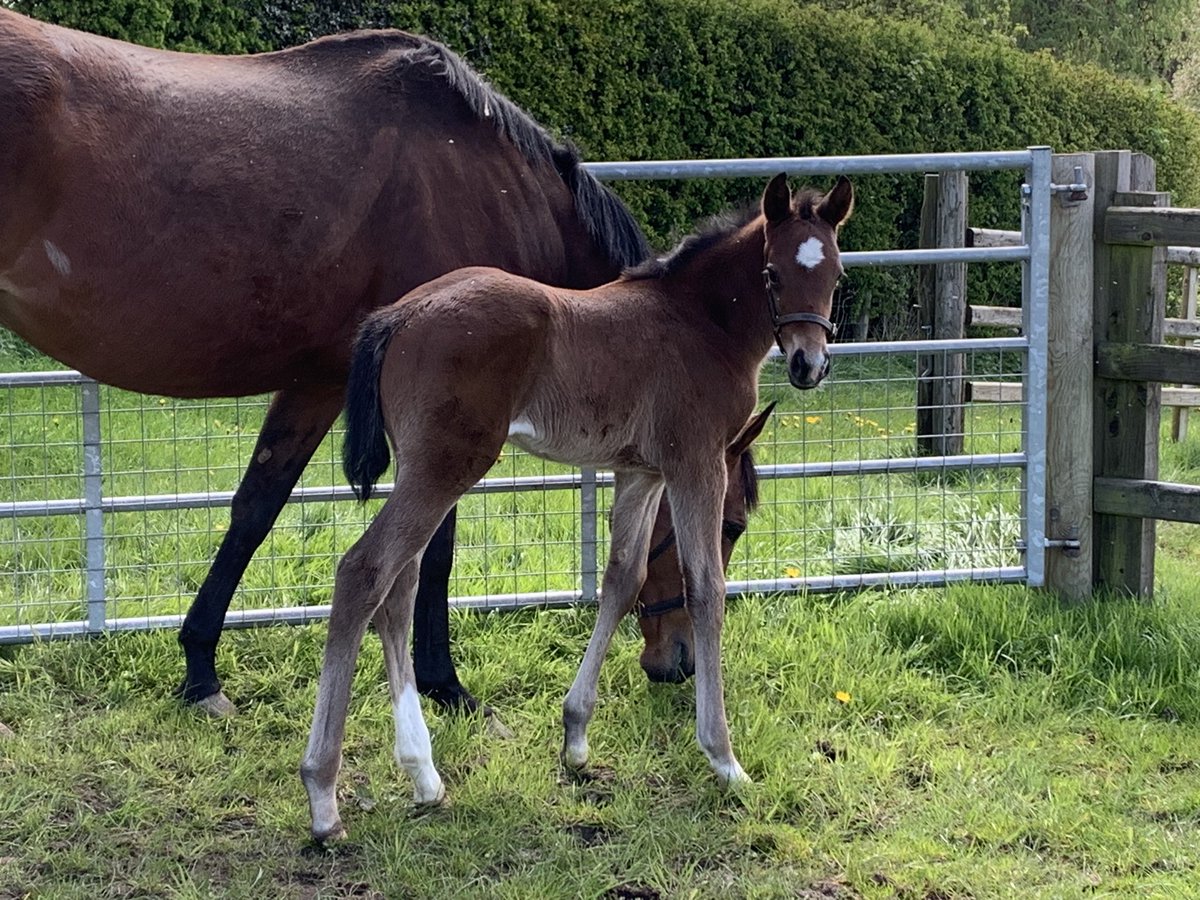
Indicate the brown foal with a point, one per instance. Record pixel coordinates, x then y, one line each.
653 375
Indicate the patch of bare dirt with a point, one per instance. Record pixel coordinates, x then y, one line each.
632 890
589 835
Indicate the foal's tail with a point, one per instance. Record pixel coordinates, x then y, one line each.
365 451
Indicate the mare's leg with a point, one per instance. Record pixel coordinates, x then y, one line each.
635 499
414 751
696 511
433 666
382 561
296 421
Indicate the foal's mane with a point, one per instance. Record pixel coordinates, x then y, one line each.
606 218
711 232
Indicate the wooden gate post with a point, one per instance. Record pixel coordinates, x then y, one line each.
1069 381
943 297
1129 308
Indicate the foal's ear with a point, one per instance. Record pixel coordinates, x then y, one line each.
777 199
836 206
750 433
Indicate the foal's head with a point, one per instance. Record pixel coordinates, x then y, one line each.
662 616
802 268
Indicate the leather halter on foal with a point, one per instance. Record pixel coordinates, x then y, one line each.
771 281
730 531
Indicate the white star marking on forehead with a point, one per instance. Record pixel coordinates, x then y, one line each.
810 254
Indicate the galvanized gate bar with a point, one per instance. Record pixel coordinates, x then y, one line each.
93 517
859 258
1035 302
589 566
659 170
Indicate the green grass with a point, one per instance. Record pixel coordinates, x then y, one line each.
993 745
975 741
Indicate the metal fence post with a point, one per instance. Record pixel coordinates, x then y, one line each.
588 528
93 514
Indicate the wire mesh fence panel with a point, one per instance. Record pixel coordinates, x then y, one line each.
845 492
867 502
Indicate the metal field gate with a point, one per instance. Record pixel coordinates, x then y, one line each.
111 504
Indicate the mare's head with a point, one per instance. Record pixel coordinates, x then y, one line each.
662 616
802 267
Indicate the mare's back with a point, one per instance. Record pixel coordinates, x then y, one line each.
277 196
101 102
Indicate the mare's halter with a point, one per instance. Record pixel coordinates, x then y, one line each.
771 280
730 531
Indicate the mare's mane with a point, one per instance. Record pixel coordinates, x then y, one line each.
711 233
749 477
603 215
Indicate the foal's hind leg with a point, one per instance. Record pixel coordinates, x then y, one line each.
366 575
414 752
696 512
635 500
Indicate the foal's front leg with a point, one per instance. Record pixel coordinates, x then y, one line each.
696 511
635 500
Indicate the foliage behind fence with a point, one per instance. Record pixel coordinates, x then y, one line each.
660 79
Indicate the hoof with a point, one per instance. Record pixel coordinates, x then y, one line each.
496 728
437 801
330 836
217 705
733 778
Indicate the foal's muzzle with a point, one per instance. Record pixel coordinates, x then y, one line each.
807 370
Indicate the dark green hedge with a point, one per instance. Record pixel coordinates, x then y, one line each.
644 79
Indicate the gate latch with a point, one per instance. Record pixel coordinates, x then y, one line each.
1074 192
1070 547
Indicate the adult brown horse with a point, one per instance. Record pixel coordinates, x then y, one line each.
204 226
653 375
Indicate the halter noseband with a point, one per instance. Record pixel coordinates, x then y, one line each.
730 531
771 281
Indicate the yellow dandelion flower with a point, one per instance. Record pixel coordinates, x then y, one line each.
842 697
791 571
812 420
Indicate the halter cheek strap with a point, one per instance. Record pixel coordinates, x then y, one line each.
771 281
730 531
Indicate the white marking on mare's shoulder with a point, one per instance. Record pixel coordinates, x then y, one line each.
58 259
810 254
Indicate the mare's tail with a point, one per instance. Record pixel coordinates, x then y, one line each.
365 451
